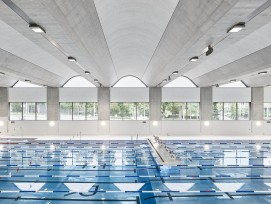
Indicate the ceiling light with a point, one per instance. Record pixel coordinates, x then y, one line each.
193 59
2 74
165 80
169 78
262 73
87 72
27 80
236 28
233 80
36 28
71 59
268 85
44 85
96 80
209 50
175 72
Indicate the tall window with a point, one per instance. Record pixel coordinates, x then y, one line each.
179 111
267 111
65 111
78 111
15 111
129 111
231 111
28 111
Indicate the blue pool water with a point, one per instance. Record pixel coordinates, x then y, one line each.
122 171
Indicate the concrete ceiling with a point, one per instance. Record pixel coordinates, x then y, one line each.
148 39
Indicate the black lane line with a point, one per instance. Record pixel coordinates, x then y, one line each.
70 193
41 181
170 197
156 151
91 194
67 199
252 194
212 179
137 200
183 196
229 195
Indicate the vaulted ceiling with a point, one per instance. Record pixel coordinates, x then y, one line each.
148 39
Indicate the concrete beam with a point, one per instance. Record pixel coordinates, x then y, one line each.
4 102
104 103
155 103
257 103
206 103
52 103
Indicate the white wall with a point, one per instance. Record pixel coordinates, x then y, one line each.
267 94
129 94
27 94
78 95
231 94
180 94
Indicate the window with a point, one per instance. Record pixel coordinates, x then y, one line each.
28 111
180 111
142 111
243 111
92 111
192 112
78 111
15 111
78 81
218 111
129 81
129 111
231 111
181 82
65 111
267 111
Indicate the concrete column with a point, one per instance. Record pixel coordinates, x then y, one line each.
4 102
206 103
257 103
52 103
155 103
104 103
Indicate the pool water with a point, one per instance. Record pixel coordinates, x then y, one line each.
128 171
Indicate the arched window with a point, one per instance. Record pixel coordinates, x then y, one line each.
129 81
234 84
78 81
25 84
181 82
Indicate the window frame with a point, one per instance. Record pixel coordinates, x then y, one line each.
22 111
236 111
186 112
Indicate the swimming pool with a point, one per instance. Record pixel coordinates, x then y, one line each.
128 171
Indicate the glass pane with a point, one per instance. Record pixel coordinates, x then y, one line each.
41 111
115 111
218 111
79 111
92 111
267 111
179 111
143 111
229 111
167 111
29 111
65 111
192 111
15 111
243 111
128 111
